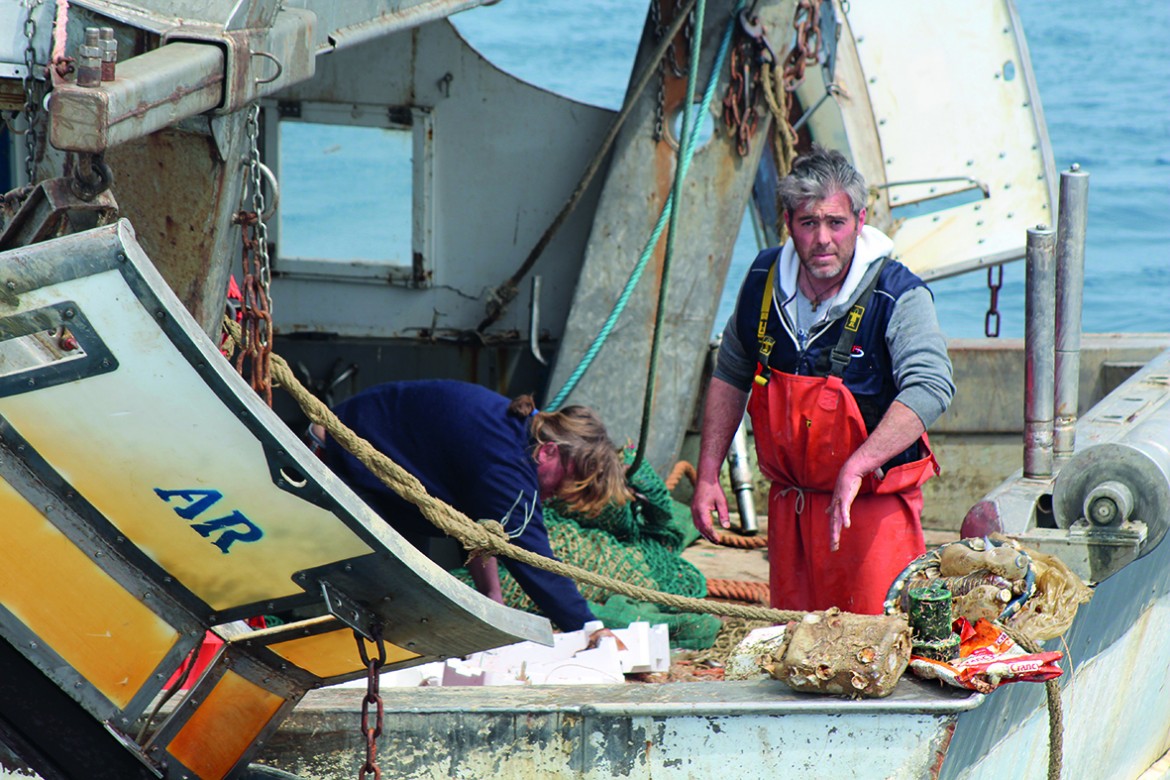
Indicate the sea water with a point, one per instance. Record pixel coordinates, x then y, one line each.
1103 71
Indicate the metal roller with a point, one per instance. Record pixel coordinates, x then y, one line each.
1128 480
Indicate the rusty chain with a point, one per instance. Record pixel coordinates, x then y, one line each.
750 55
373 670
780 80
994 283
670 59
32 104
807 46
255 356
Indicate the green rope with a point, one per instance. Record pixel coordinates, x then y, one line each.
676 197
636 273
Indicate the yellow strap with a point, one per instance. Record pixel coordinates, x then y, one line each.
766 302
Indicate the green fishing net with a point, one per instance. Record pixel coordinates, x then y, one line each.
638 543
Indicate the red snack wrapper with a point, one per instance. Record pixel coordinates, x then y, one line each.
988 657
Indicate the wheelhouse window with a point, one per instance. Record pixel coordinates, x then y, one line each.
354 192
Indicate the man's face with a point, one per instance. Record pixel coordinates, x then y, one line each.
825 234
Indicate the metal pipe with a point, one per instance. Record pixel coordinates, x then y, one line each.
1039 349
1070 284
741 481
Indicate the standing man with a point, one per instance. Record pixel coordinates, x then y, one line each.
840 351
490 459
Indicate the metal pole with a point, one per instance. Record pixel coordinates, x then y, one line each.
741 481
1070 284
1039 349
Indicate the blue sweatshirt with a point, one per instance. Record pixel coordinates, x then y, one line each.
459 441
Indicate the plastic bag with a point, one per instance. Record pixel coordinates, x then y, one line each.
988 657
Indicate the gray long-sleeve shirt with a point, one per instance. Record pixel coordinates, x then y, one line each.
918 350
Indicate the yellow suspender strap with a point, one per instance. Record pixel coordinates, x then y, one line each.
762 333
766 302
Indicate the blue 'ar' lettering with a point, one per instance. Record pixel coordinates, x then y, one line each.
233 528
200 501
252 532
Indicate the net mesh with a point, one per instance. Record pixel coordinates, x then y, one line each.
639 543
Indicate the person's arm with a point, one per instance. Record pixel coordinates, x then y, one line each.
922 374
722 414
485 573
505 488
898 429
556 596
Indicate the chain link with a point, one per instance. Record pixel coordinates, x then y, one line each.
750 56
32 103
807 46
670 59
373 672
255 176
994 283
255 357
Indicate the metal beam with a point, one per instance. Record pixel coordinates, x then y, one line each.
152 91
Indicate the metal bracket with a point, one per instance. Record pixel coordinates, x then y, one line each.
52 210
349 611
259 62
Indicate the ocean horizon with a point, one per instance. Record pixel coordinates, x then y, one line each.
1106 101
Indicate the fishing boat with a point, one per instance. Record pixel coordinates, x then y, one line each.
154 500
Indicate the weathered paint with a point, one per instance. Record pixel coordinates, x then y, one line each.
77 610
755 729
151 91
224 727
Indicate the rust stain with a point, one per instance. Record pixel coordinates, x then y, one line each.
176 95
170 185
940 749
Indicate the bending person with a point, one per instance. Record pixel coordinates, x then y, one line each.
490 459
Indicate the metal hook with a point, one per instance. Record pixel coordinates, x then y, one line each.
10 118
275 191
279 67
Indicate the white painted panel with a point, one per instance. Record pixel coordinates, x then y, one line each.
954 100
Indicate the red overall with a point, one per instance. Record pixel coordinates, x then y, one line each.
805 428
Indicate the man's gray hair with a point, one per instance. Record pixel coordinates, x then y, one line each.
819 174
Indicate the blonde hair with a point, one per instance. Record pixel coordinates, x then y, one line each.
597 475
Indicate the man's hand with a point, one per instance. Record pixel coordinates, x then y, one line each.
601 633
848 484
709 498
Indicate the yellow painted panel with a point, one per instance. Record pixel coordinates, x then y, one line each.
333 653
224 726
74 607
154 424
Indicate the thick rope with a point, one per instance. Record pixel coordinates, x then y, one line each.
742 542
1055 711
739 590
648 251
680 470
482 538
